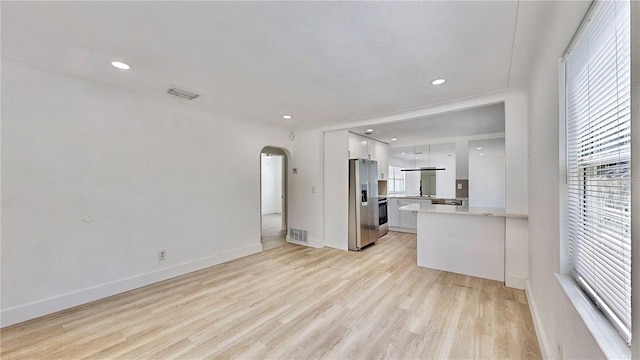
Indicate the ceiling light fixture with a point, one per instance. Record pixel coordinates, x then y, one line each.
438 82
402 153
394 139
182 93
478 148
481 154
286 117
120 65
369 130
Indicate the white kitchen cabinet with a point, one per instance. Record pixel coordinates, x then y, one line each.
403 220
358 147
381 155
392 210
361 147
408 219
370 148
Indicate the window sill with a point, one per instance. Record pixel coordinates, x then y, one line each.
602 331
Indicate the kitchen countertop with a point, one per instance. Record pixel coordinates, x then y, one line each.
462 210
418 197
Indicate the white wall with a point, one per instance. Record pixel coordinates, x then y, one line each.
336 181
96 180
556 321
462 159
271 184
306 211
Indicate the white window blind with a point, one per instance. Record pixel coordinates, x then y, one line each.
598 116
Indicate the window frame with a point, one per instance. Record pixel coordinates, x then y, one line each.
394 172
603 328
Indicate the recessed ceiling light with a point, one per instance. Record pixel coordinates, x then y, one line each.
481 154
120 65
402 153
394 139
478 148
286 116
369 130
438 82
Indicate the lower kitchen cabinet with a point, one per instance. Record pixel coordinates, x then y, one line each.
393 212
408 219
403 220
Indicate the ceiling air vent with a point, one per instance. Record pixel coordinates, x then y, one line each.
183 94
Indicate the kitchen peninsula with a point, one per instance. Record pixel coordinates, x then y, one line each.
405 221
460 239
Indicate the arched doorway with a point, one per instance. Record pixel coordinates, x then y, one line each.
273 197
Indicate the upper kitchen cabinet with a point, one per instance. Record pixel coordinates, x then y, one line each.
359 147
381 155
365 148
439 183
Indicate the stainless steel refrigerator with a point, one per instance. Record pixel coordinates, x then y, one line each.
363 203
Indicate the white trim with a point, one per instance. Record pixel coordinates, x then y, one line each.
537 323
317 244
515 281
493 97
269 212
604 334
57 303
404 230
635 185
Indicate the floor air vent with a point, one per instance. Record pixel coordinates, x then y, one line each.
298 235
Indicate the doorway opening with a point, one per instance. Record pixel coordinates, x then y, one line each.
273 197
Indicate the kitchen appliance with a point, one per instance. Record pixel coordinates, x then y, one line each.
363 203
383 216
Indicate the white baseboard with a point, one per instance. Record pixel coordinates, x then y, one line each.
51 305
269 212
405 230
515 281
537 323
312 242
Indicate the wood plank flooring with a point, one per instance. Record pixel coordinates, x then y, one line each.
294 302
272 234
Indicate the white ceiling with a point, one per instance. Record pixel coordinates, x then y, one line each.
482 120
322 62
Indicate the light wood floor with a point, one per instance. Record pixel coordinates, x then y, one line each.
272 234
294 302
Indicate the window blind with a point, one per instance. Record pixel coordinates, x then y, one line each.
598 117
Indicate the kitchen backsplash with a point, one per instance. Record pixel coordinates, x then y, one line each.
462 188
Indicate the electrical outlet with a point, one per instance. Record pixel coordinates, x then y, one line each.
459 186
162 255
